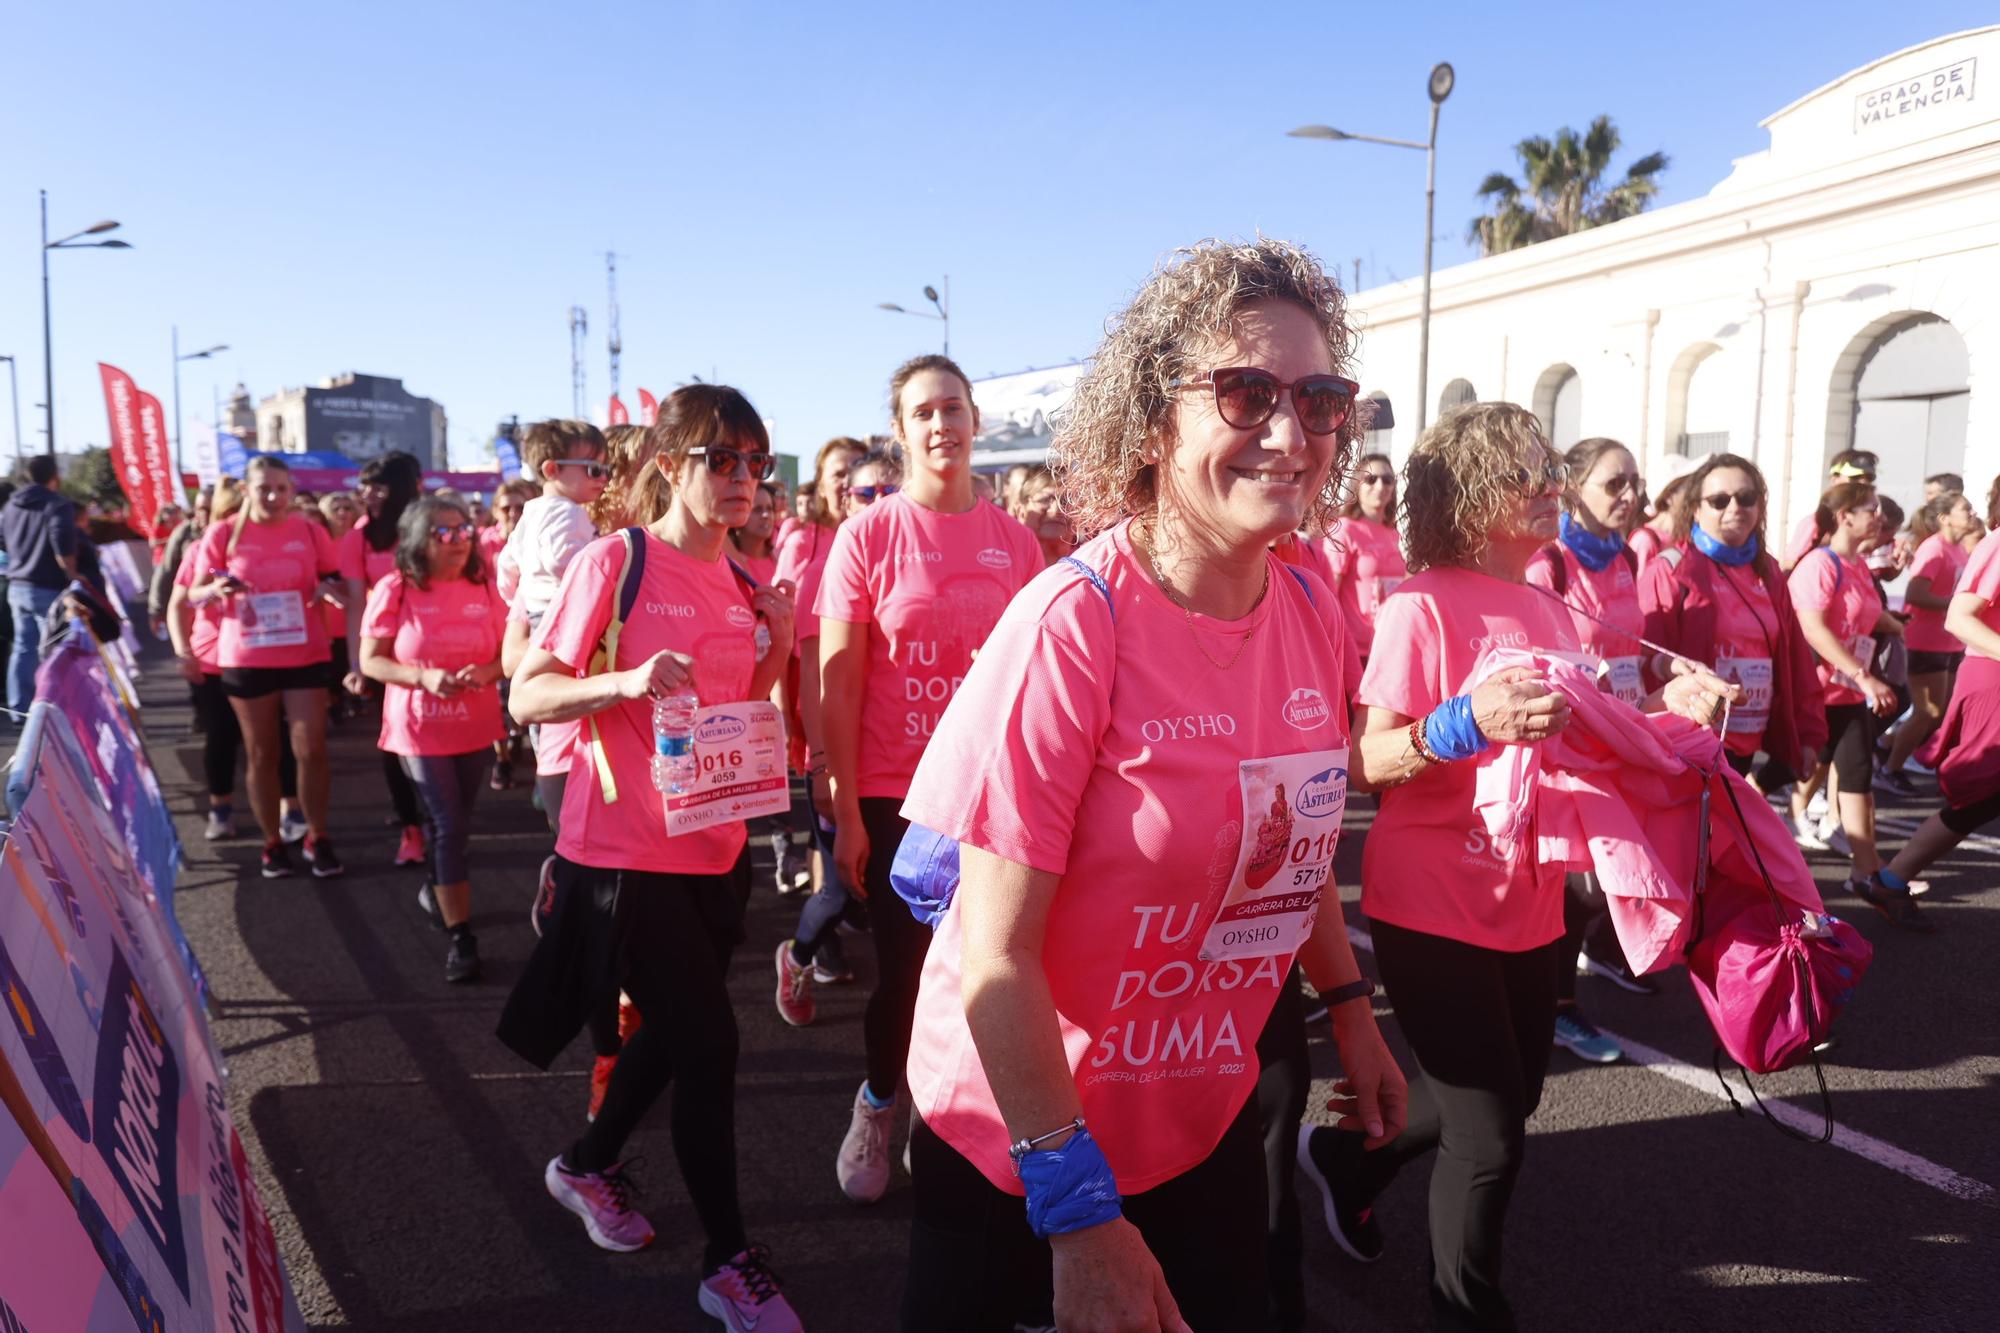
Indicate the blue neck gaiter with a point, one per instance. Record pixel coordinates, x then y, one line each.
1721 552
1594 552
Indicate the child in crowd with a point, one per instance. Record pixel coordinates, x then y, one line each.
569 458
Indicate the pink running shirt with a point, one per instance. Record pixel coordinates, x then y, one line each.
1746 637
1843 591
276 623
553 741
1427 864
1133 794
1804 535
929 586
206 627
692 606
1367 562
1982 579
762 568
1645 543
452 624
1604 611
803 561
363 563
1943 563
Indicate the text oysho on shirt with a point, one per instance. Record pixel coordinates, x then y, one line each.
1943 562
1429 864
690 606
1604 611
1844 592
281 564
929 586
454 623
1367 561
1135 795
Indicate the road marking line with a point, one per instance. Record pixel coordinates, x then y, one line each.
1920 1169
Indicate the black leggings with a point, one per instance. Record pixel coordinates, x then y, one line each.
901 942
1850 745
1284 1083
222 742
1965 820
676 933
1586 919
1481 1024
402 792
975 1265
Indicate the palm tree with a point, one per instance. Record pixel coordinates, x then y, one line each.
1564 191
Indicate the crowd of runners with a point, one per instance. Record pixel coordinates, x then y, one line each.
1058 738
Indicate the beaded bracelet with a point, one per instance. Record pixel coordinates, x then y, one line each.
1420 745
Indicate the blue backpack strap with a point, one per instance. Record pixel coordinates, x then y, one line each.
635 572
1839 570
743 576
1304 585
1096 581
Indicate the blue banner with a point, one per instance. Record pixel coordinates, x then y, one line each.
507 457
231 456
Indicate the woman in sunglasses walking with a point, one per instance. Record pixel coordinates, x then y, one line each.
1363 549
1718 596
637 909
915 583
431 634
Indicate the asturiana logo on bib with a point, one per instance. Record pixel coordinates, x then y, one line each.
1321 794
1307 708
995 558
716 730
740 616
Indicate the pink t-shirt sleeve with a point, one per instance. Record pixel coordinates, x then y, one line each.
576 620
1813 582
1932 560
1011 785
349 556
1404 667
843 589
382 615
1982 572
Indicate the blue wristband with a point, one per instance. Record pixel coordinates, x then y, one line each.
1450 731
1069 1188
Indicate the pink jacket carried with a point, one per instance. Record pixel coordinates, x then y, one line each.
1618 792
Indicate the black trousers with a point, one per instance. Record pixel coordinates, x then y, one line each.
975 1266
901 944
1481 1024
675 936
1284 1081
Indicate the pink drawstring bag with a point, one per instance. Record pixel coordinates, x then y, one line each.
1771 976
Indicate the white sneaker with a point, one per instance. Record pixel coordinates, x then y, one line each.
292 826
747 1297
863 1164
220 826
603 1199
1817 806
1834 836
1805 831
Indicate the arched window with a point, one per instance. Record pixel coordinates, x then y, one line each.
1912 395
1456 394
1559 404
1381 424
1701 402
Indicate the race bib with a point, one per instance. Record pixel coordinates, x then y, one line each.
1291 824
1625 682
739 752
1754 674
1863 648
273 620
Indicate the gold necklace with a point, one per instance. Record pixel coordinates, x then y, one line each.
1142 542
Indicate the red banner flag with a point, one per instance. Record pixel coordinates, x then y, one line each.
156 456
649 408
618 417
121 404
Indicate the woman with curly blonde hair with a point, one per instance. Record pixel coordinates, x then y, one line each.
1468 943
1143 772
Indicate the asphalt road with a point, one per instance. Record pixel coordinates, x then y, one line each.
400 1148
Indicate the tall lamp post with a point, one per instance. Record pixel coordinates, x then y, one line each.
69 242
14 393
202 355
943 307
1441 81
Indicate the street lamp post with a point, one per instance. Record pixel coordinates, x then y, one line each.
1441 81
202 355
14 393
69 242
943 307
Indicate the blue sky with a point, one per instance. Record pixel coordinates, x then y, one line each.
423 190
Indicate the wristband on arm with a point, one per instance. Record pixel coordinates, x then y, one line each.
1069 1188
1450 732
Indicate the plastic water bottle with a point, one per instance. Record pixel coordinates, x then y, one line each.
674 769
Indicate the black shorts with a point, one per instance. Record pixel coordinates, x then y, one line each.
341 664
1933 664
256 682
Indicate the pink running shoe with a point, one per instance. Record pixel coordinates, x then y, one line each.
603 1199
544 905
795 999
410 851
747 1297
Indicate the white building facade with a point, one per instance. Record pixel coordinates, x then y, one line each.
1839 289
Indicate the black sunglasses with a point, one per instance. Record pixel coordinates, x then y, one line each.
722 460
1245 397
1720 500
594 470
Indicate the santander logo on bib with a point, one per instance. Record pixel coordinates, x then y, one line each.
995 558
1307 709
740 616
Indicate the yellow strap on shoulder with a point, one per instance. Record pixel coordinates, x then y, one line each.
603 660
